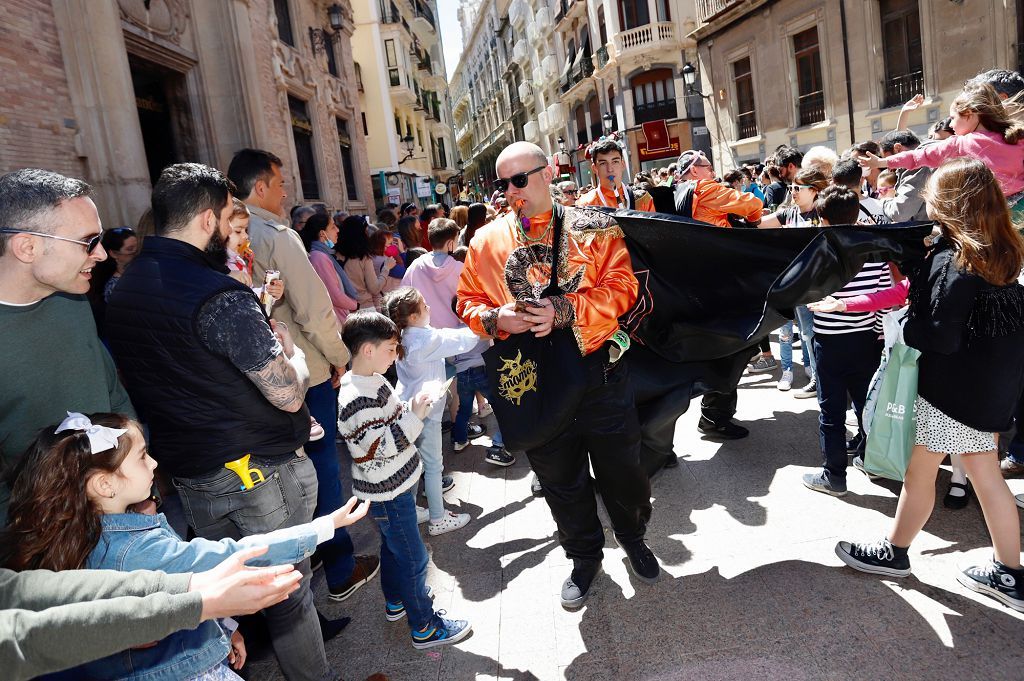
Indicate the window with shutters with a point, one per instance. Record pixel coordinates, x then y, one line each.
743 84
810 91
284 22
901 47
302 133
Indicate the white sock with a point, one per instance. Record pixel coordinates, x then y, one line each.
958 476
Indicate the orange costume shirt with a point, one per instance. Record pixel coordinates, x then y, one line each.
713 201
594 272
643 202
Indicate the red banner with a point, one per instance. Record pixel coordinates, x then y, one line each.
656 133
672 150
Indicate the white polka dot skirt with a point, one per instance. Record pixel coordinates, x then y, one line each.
943 434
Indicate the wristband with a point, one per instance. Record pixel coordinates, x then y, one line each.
620 343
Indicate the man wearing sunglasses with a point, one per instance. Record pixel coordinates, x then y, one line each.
569 192
49 243
510 262
609 167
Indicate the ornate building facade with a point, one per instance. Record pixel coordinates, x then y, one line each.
837 72
112 91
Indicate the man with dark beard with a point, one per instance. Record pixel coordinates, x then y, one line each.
219 384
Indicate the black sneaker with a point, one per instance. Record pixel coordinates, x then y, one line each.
878 558
447 483
726 430
576 588
642 562
671 461
997 581
853 444
475 430
499 457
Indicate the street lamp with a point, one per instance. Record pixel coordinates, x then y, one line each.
607 119
319 38
690 79
408 141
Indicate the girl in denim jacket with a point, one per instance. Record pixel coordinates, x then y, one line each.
71 508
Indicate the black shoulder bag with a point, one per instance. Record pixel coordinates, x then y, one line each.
537 383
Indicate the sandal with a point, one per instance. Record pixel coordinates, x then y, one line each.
955 502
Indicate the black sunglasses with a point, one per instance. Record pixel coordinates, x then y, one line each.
90 245
519 180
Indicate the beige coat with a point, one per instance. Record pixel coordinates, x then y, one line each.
306 307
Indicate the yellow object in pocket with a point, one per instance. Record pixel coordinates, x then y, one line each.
250 477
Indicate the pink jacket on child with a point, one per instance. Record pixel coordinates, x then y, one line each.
1005 160
437 284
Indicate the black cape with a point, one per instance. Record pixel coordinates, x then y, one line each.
708 294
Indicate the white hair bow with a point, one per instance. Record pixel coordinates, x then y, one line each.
101 438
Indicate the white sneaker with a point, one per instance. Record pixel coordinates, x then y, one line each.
422 515
786 382
449 523
459 446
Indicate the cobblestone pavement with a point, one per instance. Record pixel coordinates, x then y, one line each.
751 587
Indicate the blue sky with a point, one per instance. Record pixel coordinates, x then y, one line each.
451 34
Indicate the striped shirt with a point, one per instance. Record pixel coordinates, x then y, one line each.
874 276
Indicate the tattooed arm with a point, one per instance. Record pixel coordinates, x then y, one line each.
231 324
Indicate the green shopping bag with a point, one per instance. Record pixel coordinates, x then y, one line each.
894 423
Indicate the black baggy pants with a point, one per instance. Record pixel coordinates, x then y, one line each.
606 434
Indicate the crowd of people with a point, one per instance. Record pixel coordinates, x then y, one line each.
236 356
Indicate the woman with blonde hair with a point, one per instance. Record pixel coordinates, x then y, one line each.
964 317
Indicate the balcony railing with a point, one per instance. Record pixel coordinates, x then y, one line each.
423 12
583 70
654 111
901 88
602 57
660 35
746 125
709 9
811 108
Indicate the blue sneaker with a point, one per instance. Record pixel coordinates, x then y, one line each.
441 633
396 611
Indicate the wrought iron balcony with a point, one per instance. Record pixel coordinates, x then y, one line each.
811 108
654 111
901 88
746 125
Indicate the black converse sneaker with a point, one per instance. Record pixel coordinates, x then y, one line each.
878 558
997 581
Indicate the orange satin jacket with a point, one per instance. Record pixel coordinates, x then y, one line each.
594 271
643 200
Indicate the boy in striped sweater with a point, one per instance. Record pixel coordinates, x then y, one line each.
847 349
380 431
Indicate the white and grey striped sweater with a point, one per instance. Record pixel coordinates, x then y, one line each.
873 276
381 434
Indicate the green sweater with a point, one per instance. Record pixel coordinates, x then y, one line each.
52 363
55 620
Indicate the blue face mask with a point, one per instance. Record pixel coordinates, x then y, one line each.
329 243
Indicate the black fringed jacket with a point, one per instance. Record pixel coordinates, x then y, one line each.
971 337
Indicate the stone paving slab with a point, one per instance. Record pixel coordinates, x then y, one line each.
751 590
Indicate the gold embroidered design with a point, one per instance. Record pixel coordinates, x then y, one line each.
516 378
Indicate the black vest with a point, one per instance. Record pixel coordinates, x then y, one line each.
201 410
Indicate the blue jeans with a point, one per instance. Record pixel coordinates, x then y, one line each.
338 553
805 318
470 382
429 445
215 509
844 365
786 346
403 559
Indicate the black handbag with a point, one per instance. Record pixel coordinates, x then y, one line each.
537 383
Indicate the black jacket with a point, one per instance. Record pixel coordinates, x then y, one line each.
201 410
971 337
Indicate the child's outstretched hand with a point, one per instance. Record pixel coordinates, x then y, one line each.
350 513
914 102
421 404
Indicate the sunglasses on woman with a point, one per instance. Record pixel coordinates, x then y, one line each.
798 187
90 245
519 180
